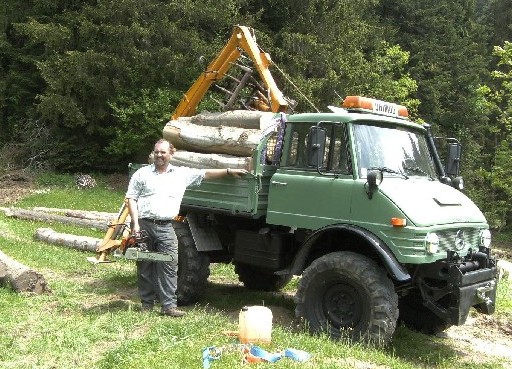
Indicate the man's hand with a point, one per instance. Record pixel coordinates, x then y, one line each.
135 229
218 173
237 172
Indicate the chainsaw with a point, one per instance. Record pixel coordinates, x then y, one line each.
120 242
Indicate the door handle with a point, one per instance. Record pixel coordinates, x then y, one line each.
279 183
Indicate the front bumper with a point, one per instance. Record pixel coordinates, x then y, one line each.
449 289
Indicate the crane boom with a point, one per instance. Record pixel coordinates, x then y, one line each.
242 39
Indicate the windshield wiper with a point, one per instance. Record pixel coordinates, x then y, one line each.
418 170
389 170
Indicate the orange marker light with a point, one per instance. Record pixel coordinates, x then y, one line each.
398 222
375 106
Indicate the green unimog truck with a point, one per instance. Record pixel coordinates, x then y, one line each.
358 204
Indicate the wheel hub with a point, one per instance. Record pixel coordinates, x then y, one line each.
342 305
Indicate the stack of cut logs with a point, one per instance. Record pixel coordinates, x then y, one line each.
217 140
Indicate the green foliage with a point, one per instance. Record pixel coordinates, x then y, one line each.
46 179
334 49
497 16
504 301
96 59
496 179
140 120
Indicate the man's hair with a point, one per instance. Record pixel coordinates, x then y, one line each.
172 149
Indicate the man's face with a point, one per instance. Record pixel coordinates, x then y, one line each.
162 154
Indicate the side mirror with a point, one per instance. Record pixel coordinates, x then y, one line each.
452 165
316 146
373 180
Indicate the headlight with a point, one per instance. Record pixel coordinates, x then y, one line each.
485 238
431 243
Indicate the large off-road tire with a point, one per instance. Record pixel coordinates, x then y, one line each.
259 280
414 315
344 294
193 266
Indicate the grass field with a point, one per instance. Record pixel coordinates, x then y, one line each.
91 317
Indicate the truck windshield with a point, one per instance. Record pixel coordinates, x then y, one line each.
394 151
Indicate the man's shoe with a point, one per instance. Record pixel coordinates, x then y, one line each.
173 312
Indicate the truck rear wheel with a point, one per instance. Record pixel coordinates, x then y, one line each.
414 315
345 294
193 267
258 280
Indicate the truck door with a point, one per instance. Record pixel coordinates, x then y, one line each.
300 196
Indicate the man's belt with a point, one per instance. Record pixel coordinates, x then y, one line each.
158 221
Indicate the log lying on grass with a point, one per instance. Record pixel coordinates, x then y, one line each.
20 277
47 217
82 243
83 214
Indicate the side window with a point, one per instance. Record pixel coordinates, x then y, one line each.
294 147
336 155
297 146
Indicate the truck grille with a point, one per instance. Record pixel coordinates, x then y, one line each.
448 239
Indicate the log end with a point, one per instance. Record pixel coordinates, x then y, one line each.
26 281
30 281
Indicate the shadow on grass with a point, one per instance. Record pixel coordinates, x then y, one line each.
229 299
118 293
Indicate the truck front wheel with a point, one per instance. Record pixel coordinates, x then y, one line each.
345 294
193 267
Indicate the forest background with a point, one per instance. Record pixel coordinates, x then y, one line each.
87 85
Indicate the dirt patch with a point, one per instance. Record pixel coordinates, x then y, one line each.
14 186
482 336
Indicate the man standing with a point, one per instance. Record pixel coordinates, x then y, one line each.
154 197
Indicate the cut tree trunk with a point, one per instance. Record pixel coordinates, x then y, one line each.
82 214
47 217
210 161
218 140
82 243
90 215
234 118
20 277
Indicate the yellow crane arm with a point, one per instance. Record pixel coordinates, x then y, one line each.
241 39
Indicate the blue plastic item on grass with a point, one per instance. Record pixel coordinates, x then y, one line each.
209 354
297 355
265 355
